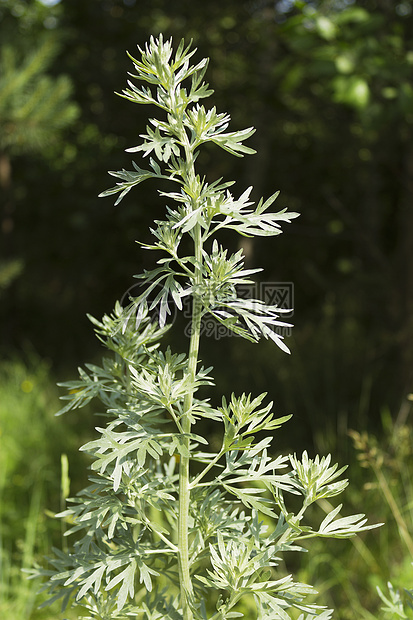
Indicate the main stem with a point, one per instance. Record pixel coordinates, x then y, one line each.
184 490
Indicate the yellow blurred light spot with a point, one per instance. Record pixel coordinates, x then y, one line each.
345 265
228 22
326 28
335 227
27 386
344 63
389 92
360 92
365 154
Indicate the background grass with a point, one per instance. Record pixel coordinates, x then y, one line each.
32 441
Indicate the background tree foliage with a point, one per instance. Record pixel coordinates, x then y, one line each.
328 86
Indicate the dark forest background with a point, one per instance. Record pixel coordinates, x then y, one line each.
328 85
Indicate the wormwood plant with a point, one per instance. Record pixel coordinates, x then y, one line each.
168 527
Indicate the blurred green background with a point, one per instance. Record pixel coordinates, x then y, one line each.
329 87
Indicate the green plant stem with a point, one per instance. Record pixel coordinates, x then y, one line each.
184 489
196 482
